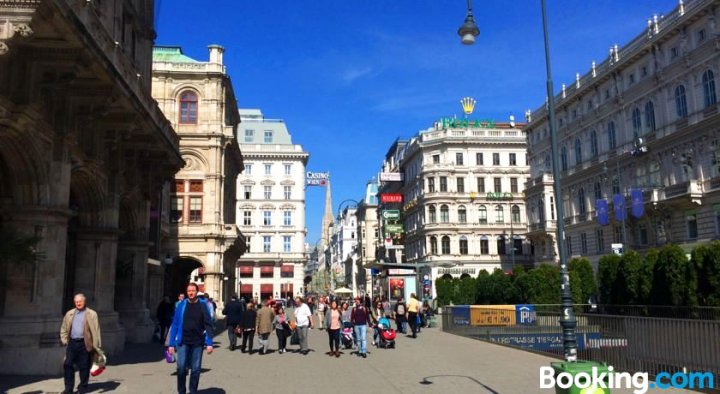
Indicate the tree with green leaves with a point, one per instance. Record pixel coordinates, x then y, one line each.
607 273
670 277
706 261
467 291
484 288
546 278
645 281
626 288
444 288
503 292
582 280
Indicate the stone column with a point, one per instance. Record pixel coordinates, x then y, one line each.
95 270
131 291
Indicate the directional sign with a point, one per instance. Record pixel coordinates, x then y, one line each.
391 214
394 228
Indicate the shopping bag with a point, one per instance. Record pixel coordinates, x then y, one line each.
169 357
295 338
99 360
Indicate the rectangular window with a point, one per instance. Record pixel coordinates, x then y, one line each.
268 169
513 185
431 185
568 245
268 137
459 159
701 35
287 191
287 243
195 209
247 218
196 186
463 246
267 218
498 185
460 185
176 213
443 183
479 158
496 159
517 246
266 244
600 245
287 218
692 229
617 234
248 243
267 192
249 136
513 159
247 192
288 169
501 246
436 159
484 246
642 234
583 243
481 185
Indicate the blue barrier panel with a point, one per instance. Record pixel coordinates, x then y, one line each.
525 314
461 315
540 341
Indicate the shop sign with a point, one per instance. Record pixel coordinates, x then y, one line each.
393 228
317 178
391 177
499 196
457 271
455 123
391 214
391 197
400 271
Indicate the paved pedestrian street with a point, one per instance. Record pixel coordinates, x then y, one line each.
435 362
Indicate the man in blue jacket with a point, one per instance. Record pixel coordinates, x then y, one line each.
191 330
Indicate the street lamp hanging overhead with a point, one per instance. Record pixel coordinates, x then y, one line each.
469 30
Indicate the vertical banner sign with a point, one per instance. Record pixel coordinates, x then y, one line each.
620 211
602 212
636 202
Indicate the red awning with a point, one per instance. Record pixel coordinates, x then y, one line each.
266 270
287 268
266 288
246 288
246 269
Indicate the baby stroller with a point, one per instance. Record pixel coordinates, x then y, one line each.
386 335
346 336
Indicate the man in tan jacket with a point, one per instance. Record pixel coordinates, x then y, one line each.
80 332
263 324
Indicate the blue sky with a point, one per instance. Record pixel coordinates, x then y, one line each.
351 76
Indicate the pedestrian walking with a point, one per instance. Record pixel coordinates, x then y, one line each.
191 331
282 329
360 319
387 307
247 325
180 297
375 315
233 314
400 315
413 307
322 307
333 322
264 326
303 318
80 333
346 313
164 313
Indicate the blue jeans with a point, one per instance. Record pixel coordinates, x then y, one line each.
361 335
189 356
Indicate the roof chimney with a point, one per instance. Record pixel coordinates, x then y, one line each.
216 53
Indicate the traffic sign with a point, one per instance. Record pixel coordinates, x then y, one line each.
391 214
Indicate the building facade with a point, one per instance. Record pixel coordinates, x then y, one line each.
645 122
343 253
368 238
202 242
271 209
462 200
84 153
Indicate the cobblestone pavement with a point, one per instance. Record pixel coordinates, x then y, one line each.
435 362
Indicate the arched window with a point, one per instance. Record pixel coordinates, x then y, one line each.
612 141
578 151
444 214
650 116
581 201
593 143
462 214
433 214
433 245
482 214
563 158
515 214
681 102
188 107
636 122
499 214
708 80
446 245
463 245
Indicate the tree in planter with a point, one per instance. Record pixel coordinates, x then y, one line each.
527 285
484 288
582 280
607 273
467 289
706 262
670 277
444 289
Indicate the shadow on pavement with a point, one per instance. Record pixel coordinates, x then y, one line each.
103 387
426 381
12 381
212 390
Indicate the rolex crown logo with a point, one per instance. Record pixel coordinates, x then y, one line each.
468 105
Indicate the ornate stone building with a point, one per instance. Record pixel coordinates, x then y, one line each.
368 237
644 119
271 209
203 241
84 152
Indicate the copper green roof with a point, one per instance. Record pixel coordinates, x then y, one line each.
171 54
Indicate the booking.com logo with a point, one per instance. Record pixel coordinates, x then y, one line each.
601 381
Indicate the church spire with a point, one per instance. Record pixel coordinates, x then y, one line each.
328 218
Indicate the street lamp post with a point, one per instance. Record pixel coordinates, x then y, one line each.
468 31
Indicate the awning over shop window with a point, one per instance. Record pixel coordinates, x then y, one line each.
266 270
246 269
287 268
266 288
246 288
